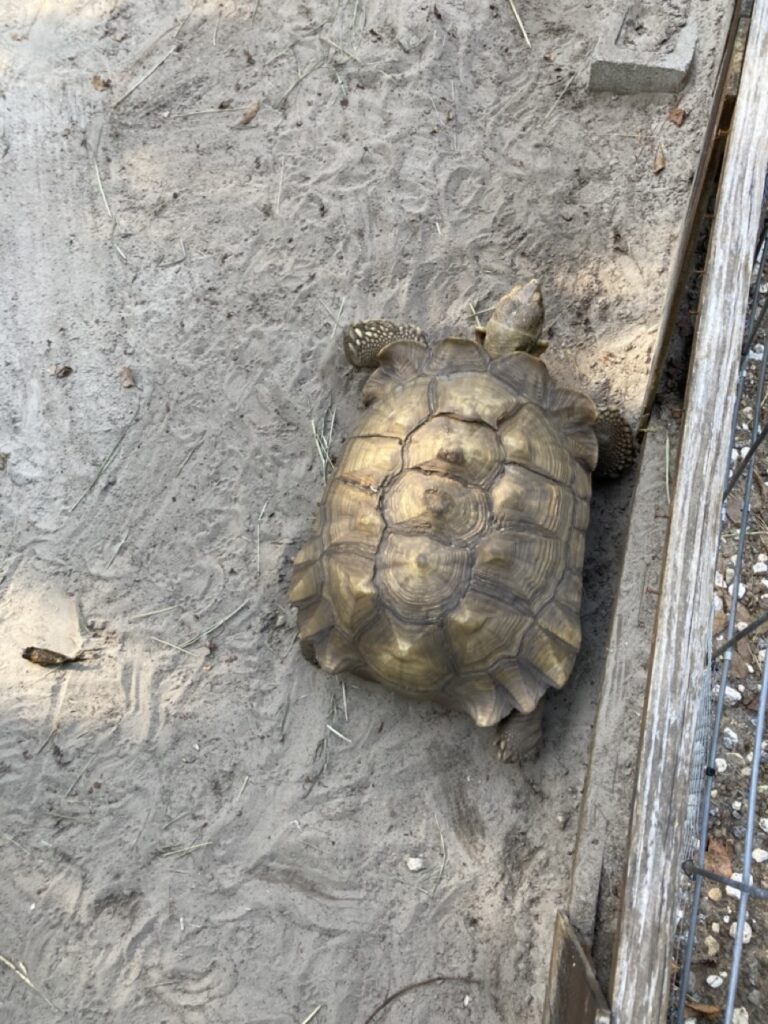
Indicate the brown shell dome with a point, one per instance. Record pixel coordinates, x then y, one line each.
447 554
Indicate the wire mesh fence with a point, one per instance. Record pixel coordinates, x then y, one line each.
709 970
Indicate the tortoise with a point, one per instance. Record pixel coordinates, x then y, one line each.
446 560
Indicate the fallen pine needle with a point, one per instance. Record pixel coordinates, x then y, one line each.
101 190
108 459
519 21
21 973
141 81
419 984
246 780
314 1013
179 851
154 611
167 643
216 625
444 856
337 733
330 42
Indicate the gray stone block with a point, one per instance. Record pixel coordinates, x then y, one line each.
623 69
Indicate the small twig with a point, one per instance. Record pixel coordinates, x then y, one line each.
167 643
419 984
344 700
445 857
280 186
246 780
185 19
101 190
139 834
520 23
180 851
666 468
174 820
474 313
176 262
108 459
314 1013
330 42
74 785
119 548
189 454
337 733
258 536
21 973
143 79
154 611
569 83
216 27
47 740
10 839
216 625
305 74
207 110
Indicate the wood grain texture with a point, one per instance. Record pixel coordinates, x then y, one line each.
640 986
573 994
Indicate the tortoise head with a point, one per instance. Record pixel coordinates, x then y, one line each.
516 322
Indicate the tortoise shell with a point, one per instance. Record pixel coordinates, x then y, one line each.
446 561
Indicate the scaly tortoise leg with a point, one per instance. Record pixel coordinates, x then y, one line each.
519 737
363 340
615 443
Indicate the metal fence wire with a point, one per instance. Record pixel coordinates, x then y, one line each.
747 444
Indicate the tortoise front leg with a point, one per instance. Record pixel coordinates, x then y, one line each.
519 736
364 340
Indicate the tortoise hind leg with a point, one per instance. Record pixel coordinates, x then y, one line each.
615 443
519 736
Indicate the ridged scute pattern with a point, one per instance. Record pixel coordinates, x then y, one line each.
447 555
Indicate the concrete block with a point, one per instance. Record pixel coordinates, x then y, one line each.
624 69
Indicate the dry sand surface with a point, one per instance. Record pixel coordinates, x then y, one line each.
183 839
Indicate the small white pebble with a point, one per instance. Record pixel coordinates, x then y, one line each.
736 877
760 567
717 604
759 856
730 738
32 907
726 918
415 864
467 1000
716 927
732 696
751 670
714 980
744 451
719 580
762 824
762 557
711 946
741 688
740 1016
715 894
747 932
720 765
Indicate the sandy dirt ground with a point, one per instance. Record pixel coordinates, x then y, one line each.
183 838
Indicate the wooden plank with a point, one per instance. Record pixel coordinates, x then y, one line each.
601 839
711 149
573 994
640 984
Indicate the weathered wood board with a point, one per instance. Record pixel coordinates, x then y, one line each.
640 985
